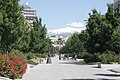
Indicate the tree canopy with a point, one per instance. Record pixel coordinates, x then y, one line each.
16 34
11 23
100 39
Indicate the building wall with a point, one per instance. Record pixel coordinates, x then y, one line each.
29 14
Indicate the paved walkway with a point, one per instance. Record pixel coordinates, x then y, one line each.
70 70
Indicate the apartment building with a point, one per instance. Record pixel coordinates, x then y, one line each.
29 14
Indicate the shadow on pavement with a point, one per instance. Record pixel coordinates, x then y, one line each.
73 62
95 67
77 63
78 79
110 75
88 79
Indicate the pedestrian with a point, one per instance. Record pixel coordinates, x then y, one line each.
75 57
67 57
59 56
49 59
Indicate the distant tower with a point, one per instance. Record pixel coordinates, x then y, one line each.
29 13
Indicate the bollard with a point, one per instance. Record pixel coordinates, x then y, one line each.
99 64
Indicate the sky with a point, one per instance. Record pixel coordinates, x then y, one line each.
66 14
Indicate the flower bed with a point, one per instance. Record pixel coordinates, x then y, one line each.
12 66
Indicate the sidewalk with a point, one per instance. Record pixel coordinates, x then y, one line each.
71 70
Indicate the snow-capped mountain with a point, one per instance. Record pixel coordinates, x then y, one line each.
64 32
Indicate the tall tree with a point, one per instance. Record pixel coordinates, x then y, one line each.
100 33
114 19
48 46
83 43
12 23
72 45
23 43
38 37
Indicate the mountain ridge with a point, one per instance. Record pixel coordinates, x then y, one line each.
64 32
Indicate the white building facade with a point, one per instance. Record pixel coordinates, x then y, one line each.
29 14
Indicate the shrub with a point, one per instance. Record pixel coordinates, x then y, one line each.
108 57
88 58
92 58
44 55
18 53
82 55
12 66
31 56
32 62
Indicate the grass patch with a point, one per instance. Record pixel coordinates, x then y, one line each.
82 60
34 61
92 63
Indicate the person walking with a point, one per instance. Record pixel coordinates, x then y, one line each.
75 57
59 56
49 59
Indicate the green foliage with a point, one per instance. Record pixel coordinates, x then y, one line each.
100 33
11 23
88 58
18 53
39 43
23 43
45 55
33 62
48 46
83 41
77 43
72 45
82 55
30 56
115 42
100 42
16 36
1 18
104 36
108 57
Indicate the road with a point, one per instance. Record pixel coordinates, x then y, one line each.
70 70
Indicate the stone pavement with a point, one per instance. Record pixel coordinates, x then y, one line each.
71 70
